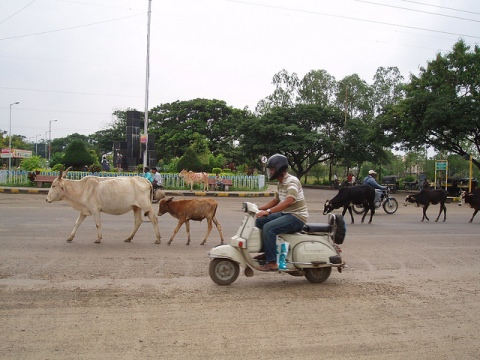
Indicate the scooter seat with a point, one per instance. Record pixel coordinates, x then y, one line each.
317 228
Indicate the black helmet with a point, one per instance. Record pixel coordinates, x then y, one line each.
279 163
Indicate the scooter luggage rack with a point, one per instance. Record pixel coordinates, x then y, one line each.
318 264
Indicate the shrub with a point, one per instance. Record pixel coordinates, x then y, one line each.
32 163
77 155
57 158
189 161
95 168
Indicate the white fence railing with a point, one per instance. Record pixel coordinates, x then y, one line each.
172 181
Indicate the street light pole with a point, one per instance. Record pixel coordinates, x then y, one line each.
46 144
147 80
10 138
50 139
36 144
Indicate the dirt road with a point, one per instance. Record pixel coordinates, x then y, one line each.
411 290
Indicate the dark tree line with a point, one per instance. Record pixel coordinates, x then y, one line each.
318 119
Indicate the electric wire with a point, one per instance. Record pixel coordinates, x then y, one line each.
441 7
16 12
312 12
68 28
415 10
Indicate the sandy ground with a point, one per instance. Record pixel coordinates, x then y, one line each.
411 290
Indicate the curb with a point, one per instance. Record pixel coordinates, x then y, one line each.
24 190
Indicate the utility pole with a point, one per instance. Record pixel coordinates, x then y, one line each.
147 80
50 139
36 144
10 154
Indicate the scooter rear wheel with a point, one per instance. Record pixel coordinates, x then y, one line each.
223 271
318 275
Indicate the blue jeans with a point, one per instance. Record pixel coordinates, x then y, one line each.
273 225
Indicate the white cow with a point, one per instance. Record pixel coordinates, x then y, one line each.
191 178
116 196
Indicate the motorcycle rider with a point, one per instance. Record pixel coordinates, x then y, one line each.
286 212
157 179
147 174
370 180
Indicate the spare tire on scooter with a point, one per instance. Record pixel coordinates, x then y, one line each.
338 221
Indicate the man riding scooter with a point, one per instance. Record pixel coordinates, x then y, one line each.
287 212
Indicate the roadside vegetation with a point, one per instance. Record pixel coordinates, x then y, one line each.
323 125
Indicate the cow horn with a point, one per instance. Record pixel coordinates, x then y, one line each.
66 172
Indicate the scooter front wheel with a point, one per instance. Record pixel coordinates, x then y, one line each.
223 271
318 275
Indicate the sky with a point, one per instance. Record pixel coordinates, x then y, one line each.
71 63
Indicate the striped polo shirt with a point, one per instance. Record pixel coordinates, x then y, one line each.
291 186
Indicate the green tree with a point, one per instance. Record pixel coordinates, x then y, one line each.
357 137
442 105
56 159
190 161
388 88
362 139
77 155
355 97
285 93
115 131
58 145
32 163
18 142
175 126
317 87
306 134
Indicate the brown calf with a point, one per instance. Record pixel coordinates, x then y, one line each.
191 209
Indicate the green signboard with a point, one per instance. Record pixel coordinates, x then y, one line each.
441 165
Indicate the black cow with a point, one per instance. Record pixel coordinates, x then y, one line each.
427 197
472 199
362 194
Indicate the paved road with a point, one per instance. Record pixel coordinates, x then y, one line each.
411 290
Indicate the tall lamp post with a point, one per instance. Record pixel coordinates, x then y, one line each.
50 139
147 81
36 144
46 145
10 137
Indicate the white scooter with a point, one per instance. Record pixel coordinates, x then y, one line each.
312 253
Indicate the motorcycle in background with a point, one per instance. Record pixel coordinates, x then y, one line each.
389 204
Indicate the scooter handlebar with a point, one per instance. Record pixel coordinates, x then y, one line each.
250 207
